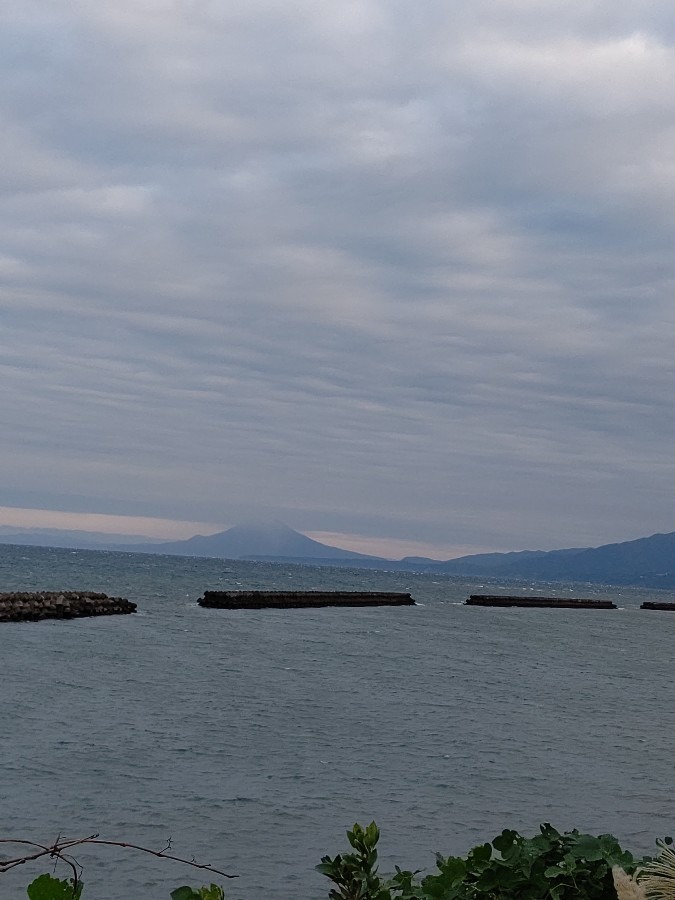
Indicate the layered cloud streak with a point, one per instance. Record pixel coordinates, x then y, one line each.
394 272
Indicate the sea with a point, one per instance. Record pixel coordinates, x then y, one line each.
251 740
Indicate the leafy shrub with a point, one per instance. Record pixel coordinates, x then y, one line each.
212 892
548 866
560 866
355 874
46 887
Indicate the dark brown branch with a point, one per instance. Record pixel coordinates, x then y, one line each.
58 850
55 851
161 854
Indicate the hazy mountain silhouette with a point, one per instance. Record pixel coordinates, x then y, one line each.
500 563
268 540
648 561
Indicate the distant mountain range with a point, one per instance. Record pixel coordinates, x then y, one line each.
649 561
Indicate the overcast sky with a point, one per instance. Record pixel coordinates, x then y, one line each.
379 269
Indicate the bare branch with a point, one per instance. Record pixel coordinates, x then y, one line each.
55 851
59 851
161 854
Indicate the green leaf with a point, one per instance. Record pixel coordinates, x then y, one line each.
481 853
453 868
184 893
554 871
326 868
46 887
506 840
587 847
212 892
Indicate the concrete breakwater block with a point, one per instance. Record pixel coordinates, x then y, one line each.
300 599
23 606
537 602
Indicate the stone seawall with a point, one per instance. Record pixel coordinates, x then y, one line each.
300 599
21 606
538 602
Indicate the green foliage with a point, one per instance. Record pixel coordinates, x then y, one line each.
548 866
569 866
210 892
355 874
46 887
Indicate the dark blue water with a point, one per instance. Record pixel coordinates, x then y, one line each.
253 739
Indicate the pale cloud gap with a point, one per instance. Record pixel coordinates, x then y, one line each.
375 271
103 524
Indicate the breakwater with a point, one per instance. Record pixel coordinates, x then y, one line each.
22 606
301 599
537 602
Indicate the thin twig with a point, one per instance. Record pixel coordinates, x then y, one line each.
161 854
58 849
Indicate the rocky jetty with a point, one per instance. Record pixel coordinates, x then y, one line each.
650 604
22 606
300 599
538 602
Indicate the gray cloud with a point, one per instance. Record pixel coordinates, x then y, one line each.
369 269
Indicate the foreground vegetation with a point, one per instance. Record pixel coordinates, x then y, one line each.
552 865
